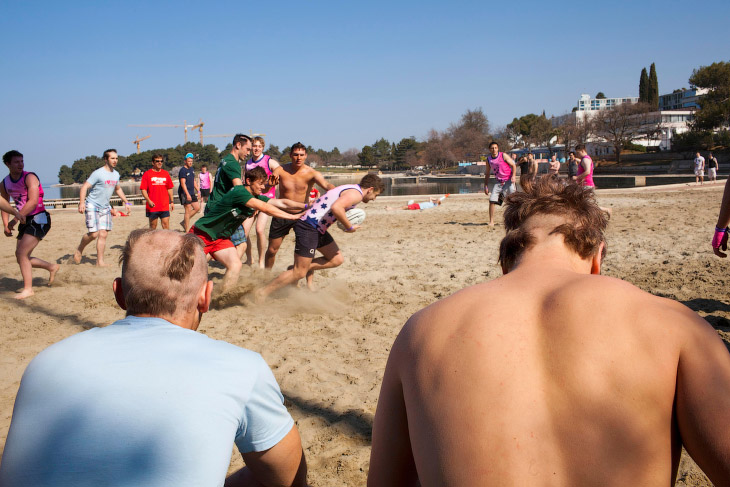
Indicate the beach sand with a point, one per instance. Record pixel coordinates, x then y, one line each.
328 350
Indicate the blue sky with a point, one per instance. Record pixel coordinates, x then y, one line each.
75 74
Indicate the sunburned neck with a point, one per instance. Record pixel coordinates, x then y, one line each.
551 253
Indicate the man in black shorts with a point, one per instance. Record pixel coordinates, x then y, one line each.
188 192
312 235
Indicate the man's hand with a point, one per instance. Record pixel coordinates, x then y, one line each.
352 229
719 241
151 203
18 215
113 211
486 189
81 206
172 206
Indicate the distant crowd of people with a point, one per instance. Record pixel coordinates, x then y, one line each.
550 373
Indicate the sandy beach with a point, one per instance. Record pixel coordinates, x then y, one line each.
328 349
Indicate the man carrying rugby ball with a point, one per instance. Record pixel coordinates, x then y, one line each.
311 232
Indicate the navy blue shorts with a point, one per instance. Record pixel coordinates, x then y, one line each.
153 215
308 239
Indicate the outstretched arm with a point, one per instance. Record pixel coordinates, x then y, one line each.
272 210
323 183
703 398
286 204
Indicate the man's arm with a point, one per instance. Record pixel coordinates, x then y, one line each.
322 182
82 195
586 170
283 464
347 198
118 190
6 197
172 198
32 183
287 204
486 178
272 210
147 198
391 456
703 397
512 165
185 189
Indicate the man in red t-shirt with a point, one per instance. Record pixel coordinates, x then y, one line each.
157 190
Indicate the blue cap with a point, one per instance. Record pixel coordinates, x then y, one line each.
189 155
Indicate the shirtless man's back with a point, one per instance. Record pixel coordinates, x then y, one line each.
552 375
296 180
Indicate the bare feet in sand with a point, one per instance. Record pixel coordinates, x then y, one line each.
77 256
101 264
52 272
24 294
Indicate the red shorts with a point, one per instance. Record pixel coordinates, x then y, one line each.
414 206
211 245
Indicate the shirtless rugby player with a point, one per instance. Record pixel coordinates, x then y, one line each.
552 374
295 182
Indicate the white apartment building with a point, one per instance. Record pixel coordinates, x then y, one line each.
586 103
681 99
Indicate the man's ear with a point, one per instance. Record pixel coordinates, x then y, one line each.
204 297
597 259
118 294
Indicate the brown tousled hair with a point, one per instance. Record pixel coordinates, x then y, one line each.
585 223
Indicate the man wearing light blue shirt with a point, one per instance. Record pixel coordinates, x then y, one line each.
100 186
147 400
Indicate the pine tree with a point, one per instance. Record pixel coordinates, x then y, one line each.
653 87
644 87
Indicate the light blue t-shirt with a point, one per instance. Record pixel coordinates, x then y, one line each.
102 184
140 402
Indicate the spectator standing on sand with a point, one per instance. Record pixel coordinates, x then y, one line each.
156 188
147 400
204 183
699 168
94 204
572 166
27 193
473 396
259 159
712 167
554 165
188 192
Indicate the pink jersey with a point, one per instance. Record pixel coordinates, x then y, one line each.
589 178
320 215
204 180
502 170
18 190
264 163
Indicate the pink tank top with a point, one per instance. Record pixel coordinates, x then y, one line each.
589 178
19 192
502 170
264 163
320 216
204 180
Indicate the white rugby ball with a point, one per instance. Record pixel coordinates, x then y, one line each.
356 217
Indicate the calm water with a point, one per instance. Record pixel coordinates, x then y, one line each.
450 185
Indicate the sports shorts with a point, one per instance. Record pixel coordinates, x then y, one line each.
239 236
699 172
210 245
504 188
153 215
184 201
205 192
308 239
98 218
38 225
280 227
414 206
712 172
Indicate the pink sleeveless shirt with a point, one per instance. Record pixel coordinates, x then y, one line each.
320 215
502 170
264 163
19 192
589 178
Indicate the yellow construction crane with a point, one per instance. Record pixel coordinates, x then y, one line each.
138 140
184 125
199 127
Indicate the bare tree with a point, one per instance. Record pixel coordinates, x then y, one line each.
574 132
437 152
469 137
350 156
625 123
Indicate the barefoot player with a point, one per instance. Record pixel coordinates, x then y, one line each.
505 171
312 235
296 180
26 191
225 216
94 204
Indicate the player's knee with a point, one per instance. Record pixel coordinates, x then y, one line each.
93 235
102 233
236 265
299 272
338 259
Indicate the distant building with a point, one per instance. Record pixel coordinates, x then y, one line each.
586 103
681 99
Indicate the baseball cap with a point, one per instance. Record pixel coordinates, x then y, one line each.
189 155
